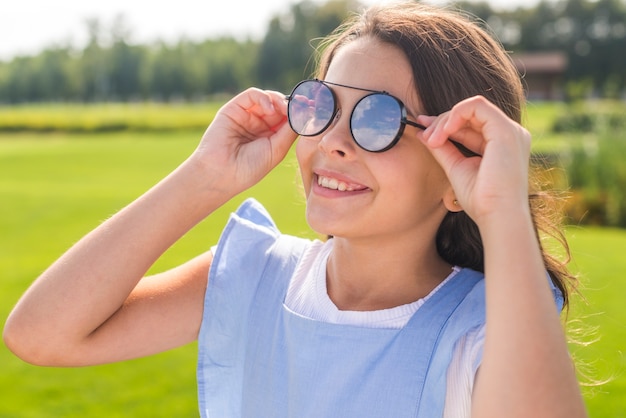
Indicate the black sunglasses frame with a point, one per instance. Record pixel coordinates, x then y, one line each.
403 118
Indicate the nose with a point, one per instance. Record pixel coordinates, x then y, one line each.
337 139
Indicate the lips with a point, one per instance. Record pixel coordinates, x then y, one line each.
340 185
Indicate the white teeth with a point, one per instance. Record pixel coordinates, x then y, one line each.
334 184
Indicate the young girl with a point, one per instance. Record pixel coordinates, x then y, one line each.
432 298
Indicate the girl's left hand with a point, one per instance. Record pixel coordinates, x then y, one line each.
495 181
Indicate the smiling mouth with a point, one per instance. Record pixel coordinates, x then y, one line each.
334 184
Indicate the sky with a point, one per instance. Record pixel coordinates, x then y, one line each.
28 26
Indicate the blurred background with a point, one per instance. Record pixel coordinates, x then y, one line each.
100 101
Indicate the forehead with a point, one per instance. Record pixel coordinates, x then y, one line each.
372 64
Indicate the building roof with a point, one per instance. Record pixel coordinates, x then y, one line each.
554 62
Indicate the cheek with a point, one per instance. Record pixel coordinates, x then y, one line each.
418 177
300 150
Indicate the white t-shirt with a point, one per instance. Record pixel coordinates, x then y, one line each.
307 296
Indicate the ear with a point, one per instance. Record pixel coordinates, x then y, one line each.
450 201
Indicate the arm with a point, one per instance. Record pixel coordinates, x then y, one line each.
526 369
92 306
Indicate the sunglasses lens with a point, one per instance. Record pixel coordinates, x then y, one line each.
376 122
311 108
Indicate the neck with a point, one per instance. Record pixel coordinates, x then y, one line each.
366 277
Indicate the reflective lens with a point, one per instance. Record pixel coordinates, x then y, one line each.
376 122
311 108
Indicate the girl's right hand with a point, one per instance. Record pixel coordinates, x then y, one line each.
247 139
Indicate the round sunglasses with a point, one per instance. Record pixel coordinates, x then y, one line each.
377 120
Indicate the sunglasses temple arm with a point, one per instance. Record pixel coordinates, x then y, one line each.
464 150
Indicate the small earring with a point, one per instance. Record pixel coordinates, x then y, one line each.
455 202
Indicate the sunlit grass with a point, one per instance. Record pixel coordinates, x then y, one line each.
599 315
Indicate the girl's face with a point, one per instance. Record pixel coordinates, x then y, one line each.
354 193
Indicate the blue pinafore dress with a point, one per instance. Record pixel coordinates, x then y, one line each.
258 359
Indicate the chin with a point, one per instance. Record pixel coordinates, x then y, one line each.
322 225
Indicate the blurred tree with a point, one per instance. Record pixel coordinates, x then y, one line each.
165 73
53 81
285 55
230 64
19 79
123 63
93 72
111 67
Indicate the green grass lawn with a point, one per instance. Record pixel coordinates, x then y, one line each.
54 188
598 257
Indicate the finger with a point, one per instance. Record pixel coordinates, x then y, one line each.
468 141
270 107
473 122
280 142
452 155
483 117
473 113
256 113
425 121
446 154
257 100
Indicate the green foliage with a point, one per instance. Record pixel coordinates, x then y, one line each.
107 117
593 161
605 117
579 89
597 177
287 53
122 72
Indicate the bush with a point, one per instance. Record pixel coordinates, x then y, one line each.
108 117
581 122
597 119
596 175
591 153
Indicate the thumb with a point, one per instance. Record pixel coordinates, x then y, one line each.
281 141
